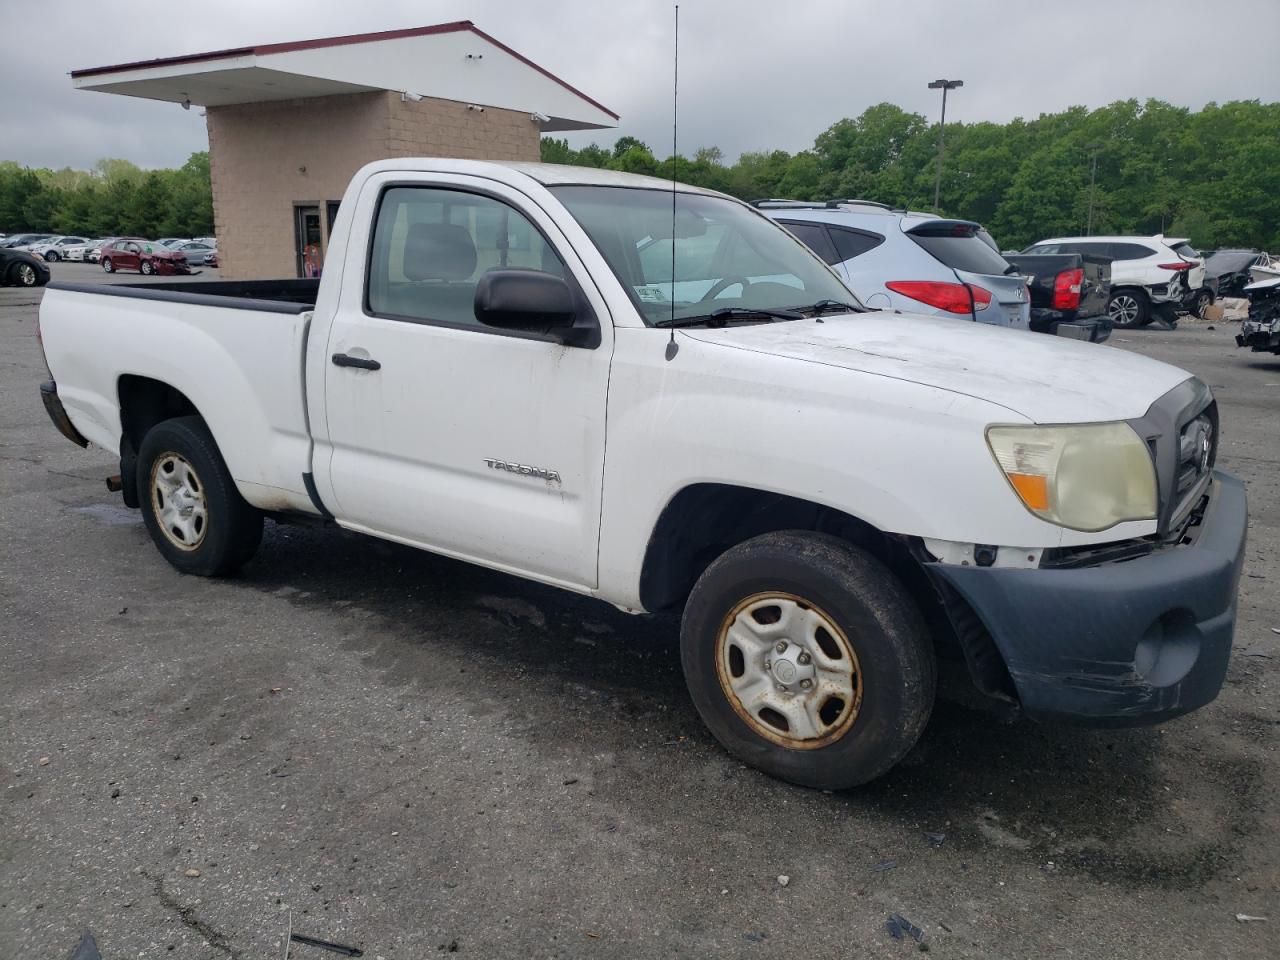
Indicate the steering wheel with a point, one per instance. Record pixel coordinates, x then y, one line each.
723 285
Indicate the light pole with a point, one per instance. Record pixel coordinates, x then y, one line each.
1093 176
944 86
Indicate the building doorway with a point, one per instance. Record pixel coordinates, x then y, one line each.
306 232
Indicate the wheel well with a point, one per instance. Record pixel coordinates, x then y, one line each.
144 402
1129 289
704 520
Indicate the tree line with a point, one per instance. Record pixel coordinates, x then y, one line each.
115 198
1212 175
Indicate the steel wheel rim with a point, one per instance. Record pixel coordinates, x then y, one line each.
1124 309
178 501
788 671
26 274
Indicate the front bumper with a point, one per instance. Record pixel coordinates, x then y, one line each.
1120 643
58 414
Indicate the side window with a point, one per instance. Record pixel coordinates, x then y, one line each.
814 236
852 243
1131 251
432 246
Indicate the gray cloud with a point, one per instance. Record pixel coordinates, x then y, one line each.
754 75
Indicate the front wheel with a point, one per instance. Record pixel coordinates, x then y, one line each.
107 265
1128 309
806 658
146 269
24 275
190 504
52 256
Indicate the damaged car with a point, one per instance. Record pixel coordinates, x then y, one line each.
1151 277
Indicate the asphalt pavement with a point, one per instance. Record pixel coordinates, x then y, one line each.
371 745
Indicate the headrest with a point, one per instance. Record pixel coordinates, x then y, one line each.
439 251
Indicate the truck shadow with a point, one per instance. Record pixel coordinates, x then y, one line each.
593 681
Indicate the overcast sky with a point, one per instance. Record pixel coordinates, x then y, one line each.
754 74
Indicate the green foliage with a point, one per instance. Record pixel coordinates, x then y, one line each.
1212 175
115 198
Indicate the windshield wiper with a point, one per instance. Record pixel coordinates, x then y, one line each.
720 317
825 306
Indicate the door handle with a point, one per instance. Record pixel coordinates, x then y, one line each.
363 363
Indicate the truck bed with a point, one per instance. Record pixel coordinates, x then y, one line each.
235 350
1095 292
274 296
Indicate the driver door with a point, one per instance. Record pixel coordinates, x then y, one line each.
468 440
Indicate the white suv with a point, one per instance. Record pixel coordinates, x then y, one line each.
1149 275
55 248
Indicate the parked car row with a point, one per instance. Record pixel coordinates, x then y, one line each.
1079 287
51 248
1150 276
912 262
166 255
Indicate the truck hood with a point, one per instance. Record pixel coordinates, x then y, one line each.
1044 378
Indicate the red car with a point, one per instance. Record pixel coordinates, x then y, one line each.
133 253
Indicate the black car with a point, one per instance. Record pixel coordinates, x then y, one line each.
21 269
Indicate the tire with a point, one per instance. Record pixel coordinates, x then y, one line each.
1129 309
23 275
52 256
107 266
146 268
203 527
1203 300
848 731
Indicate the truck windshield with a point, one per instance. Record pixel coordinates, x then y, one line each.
725 254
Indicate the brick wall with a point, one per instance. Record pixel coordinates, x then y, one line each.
267 157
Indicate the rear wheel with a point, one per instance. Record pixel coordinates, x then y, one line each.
190 504
107 265
1203 300
806 658
1128 309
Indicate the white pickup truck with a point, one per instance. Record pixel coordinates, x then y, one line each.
547 371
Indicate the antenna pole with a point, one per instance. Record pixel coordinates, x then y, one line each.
675 158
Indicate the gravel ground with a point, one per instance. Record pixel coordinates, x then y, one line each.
376 746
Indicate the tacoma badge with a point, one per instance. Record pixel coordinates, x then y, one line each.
548 475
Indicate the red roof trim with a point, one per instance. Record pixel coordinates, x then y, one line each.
455 27
163 62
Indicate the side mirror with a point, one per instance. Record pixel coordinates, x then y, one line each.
524 300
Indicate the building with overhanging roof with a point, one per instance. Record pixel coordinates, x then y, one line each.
289 123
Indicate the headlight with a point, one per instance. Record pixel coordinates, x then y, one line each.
1086 477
